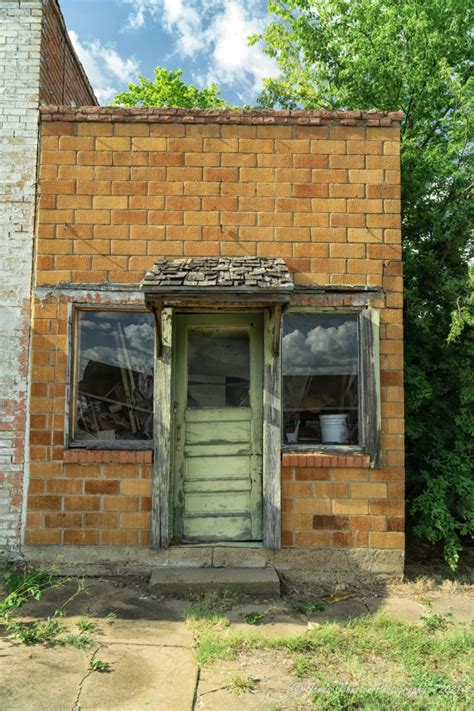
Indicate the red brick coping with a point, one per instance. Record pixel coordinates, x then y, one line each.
117 114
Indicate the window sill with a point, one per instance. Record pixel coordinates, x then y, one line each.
348 457
108 456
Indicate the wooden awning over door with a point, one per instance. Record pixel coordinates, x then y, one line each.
230 283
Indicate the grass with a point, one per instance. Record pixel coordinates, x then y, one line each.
253 618
242 685
208 611
421 667
437 622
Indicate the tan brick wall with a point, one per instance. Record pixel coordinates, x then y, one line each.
115 195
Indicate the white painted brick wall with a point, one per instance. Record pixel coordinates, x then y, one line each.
20 40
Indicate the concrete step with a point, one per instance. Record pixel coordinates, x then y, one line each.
183 582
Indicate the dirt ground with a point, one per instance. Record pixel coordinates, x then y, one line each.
142 653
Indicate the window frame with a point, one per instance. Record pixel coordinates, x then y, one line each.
72 380
369 417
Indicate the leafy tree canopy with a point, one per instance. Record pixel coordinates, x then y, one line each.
416 56
167 90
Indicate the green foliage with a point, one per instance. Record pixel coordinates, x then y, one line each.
23 585
253 618
167 90
242 685
308 607
390 663
409 55
97 665
433 623
85 625
35 632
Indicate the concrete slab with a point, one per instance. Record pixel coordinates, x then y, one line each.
151 675
33 678
397 607
191 581
141 677
275 687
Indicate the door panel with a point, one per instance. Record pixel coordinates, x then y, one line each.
218 427
219 528
202 468
222 432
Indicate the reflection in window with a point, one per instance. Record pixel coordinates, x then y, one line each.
218 367
114 377
320 378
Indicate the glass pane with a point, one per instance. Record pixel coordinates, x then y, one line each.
218 367
320 378
115 376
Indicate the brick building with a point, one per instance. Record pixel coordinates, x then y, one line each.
37 65
216 368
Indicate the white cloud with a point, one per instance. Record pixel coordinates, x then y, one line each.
322 350
217 30
234 62
108 72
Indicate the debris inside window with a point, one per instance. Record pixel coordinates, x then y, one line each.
320 379
114 388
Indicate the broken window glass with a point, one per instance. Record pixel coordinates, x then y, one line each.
114 377
320 379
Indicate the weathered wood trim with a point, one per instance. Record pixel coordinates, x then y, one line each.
271 439
277 310
162 466
370 415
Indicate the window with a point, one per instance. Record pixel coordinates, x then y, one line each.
218 367
330 379
113 379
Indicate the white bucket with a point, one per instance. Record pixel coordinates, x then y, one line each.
334 429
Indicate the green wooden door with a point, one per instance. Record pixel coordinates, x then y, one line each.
217 492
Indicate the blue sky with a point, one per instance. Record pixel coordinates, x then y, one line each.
118 39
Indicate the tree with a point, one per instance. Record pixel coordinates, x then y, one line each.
411 55
167 90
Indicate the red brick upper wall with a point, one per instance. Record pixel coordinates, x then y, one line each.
62 77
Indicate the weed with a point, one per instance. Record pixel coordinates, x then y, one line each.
35 632
207 612
26 584
307 607
433 623
242 685
79 641
97 665
253 618
22 585
213 602
85 625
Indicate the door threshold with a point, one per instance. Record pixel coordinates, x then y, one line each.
220 544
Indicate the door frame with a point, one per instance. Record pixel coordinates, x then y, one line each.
163 420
